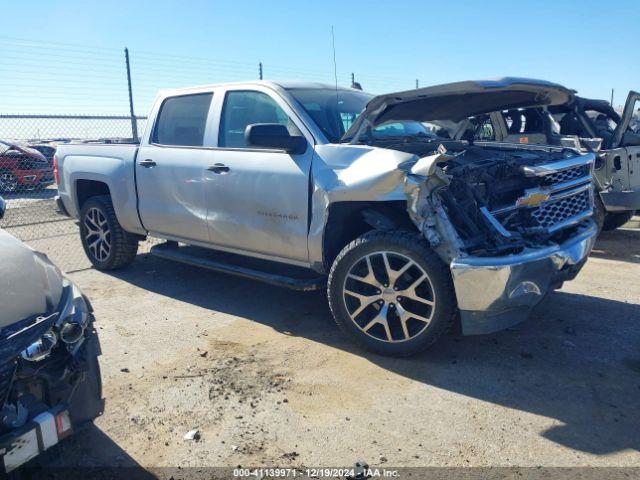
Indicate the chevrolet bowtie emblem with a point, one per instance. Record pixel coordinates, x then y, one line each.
532 199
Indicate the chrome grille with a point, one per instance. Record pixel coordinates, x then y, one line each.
552 213
566 184
565 175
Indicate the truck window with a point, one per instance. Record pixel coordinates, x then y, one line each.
484 129
524 121
181 120
242 108
333 111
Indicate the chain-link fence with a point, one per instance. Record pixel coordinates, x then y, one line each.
27 181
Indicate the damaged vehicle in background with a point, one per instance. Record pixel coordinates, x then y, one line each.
297 183
49 373
586 124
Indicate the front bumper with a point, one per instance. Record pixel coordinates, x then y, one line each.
41 433
621 201
497 292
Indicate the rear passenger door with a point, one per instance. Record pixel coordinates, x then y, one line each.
258 199
170 169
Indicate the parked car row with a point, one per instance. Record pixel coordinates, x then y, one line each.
459 204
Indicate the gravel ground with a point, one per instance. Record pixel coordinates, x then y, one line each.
266 378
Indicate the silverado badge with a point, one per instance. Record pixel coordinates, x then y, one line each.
532 199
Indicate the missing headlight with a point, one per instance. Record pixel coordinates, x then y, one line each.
72 327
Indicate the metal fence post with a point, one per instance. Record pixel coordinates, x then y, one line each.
134 121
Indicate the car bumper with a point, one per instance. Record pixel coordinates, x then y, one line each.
621 201
32 178
497 292
41 433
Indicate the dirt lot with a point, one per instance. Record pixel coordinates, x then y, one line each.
266 378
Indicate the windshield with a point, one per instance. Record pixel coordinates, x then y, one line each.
401 129
333 111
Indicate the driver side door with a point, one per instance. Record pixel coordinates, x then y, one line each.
257 198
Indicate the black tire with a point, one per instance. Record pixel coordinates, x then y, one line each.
123 246
406 245
8 182
613 220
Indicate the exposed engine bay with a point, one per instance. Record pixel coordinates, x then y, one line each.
502 199
45 364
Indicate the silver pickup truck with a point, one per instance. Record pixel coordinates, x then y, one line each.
308 185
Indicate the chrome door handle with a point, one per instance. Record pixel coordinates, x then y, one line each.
148 163
219 168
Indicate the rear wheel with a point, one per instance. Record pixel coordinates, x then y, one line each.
616 220
106 244
391 293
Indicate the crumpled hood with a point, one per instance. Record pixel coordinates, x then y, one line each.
29 283
460 100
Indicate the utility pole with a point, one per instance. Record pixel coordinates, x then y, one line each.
417 86
260 70
134 120
612 97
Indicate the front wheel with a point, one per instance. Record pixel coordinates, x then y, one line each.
391 293
106 244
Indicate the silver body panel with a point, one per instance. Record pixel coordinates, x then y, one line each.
29 283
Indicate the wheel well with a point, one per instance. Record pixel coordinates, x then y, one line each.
86 189
348 220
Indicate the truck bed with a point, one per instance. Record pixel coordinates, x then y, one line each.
102 167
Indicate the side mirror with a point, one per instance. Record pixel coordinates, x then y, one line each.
275 136
3 207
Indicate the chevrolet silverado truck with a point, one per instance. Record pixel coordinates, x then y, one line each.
49 372
591 126
308 185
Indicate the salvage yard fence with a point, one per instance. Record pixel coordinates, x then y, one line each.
26 182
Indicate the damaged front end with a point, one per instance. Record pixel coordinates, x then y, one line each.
49 373
512 224
512 221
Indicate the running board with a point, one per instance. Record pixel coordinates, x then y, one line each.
282 275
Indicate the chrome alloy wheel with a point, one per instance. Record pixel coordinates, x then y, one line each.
389 296
8 182
98 234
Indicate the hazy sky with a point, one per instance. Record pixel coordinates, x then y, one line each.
66 56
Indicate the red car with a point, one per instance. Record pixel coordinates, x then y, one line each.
22 168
